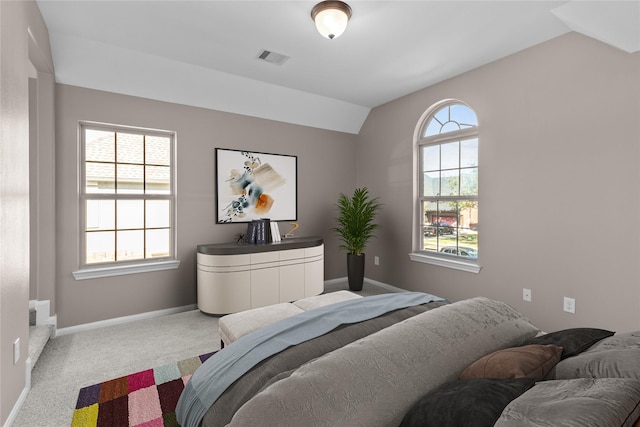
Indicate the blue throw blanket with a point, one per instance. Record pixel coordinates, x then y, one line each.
223 368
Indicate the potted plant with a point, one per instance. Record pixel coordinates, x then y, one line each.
355 228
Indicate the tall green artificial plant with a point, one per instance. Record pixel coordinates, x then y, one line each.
356 224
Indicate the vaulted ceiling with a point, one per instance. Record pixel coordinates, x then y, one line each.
205 53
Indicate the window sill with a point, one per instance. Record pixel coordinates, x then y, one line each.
456 264
120 270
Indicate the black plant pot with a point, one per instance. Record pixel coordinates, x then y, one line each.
355 271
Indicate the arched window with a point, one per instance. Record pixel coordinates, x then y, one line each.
446 226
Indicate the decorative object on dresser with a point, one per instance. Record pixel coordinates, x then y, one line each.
355 228
233 277
259 232
252 185
294 227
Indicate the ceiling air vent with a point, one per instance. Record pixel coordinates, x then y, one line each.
273 57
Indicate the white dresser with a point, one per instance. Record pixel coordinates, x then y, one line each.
234 277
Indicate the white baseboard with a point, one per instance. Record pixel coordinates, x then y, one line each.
391 288
121 320
334 281
23 395
385 285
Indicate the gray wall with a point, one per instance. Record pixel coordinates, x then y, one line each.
24 53
558 187
326 162
559 200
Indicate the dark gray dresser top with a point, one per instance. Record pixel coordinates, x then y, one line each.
235 248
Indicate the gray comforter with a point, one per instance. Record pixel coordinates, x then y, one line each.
219 372
374 380
372 372
284 364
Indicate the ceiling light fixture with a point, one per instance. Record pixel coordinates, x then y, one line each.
331 18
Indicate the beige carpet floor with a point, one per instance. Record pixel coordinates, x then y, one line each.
73 361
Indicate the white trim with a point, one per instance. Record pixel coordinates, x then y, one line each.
335 281
43 312
53 321
83 196
121 320
456 264
419 142
23 395
120 270
384 285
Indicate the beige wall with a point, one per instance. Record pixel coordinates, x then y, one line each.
325 168
559 179
559 134
24 50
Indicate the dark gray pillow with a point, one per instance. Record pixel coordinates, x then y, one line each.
573 341
476 402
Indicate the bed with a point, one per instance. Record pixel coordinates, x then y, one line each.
415 359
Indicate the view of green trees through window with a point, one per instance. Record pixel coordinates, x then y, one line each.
449 182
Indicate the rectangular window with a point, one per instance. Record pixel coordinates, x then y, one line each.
127 195
449 197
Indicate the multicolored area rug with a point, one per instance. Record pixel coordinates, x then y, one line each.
144 399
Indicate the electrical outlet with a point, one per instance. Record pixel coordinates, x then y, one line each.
376 260
569 305
526 294
16 351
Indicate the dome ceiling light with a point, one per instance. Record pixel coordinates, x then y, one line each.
331 18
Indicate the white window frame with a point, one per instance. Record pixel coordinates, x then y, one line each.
118 268
419 254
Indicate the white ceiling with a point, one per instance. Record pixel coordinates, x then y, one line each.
204 53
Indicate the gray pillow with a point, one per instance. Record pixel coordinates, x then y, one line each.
623 341
573 341
580 402
614 357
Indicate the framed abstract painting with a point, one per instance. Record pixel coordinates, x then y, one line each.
252 185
